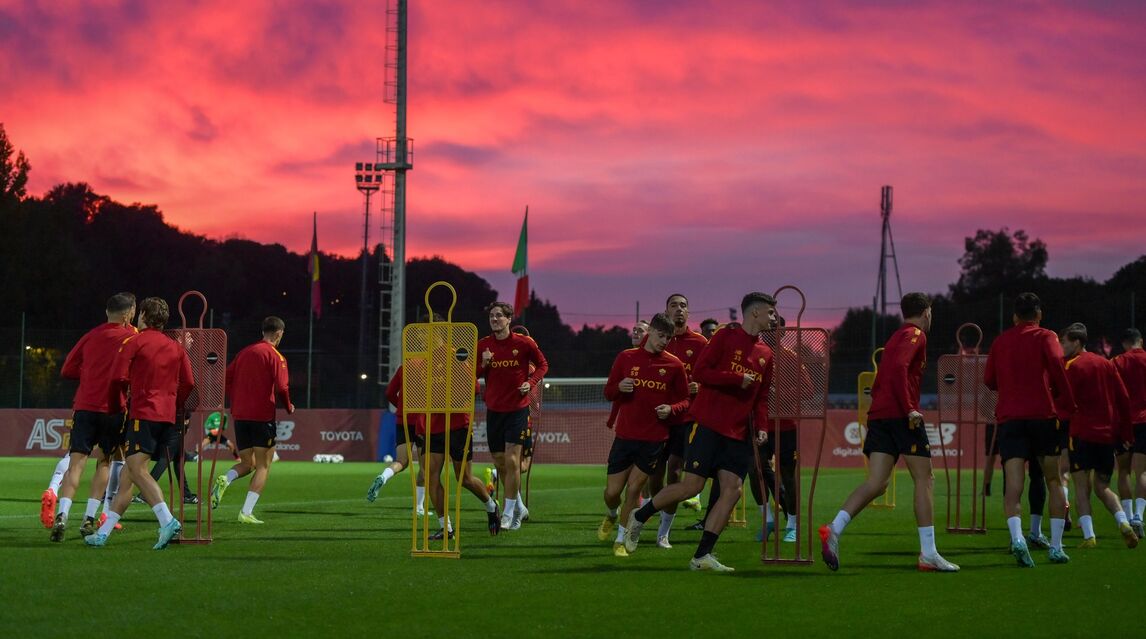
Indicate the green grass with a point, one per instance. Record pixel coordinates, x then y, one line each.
327 564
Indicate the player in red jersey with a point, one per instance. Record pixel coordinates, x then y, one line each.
640 329
94 426
686 345
505 364
409 443
1131 365
734 372
895 427
649 386
256 379
1025 366
708 327
157 372
1102 416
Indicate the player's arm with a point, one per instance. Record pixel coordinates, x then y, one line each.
186 382
678 397
229 381
282 383
760 408
1056 372
613 391
542 365
73 363
120 369
990 375
394 388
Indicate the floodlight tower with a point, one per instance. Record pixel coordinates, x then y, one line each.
368 178
886 251
394 155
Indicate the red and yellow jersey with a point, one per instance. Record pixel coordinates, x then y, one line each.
509 369
1025 367
255 379
158 374
686 347
91 361
657 379
1103 405
722 404
1131 367
895 392
394 396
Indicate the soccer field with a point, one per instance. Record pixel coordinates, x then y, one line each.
327 563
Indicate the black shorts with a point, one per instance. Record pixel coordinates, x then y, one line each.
461 447
1027 438
1063 437
1086 456
415 439
91 429
786 439
896 437
646 456
506 428
990 441
677 442
145 436
1140 439
709 452
249 434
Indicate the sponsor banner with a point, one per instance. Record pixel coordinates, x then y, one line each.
563 435
350 433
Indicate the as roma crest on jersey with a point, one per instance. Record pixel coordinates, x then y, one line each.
662 372
688 353
635 371
737 355
762 360
515 351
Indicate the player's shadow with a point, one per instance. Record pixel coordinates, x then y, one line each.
17 500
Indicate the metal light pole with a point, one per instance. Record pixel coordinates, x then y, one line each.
368 178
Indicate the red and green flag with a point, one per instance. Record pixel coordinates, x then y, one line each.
521 296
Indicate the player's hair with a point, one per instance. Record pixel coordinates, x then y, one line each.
1027 306
645 322
680 295
754 298
780 321
272 324
710 320
1131 336
1075 332
119 303
506 308
660 322
519 329
914 304
154 312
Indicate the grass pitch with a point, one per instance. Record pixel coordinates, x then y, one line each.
327 563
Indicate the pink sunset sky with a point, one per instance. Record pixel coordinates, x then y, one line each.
710 148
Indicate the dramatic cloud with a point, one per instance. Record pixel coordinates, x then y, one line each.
707 147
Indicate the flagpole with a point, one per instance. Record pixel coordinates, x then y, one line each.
310 315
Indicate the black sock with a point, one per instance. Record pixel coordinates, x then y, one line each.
644 513
707 543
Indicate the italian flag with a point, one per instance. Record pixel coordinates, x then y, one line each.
521 296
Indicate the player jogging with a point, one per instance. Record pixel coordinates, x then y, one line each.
505 365
1025 366
157 372
94 425
686 345
1103 414
895 427
407 433
1131 366
255 379
649 386
734 372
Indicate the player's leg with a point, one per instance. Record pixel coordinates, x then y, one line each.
247 435
1056 498
401 461
879 468
1036 502
261 457
1064 482
1014 449
991 448
461 453
1081 479
420 478
142 440
672 468
50 497
765 477
96 491
437 492
67 491
1102 460
731 486
1122 469
634 482
786 444
923 477
617 469
1138 469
